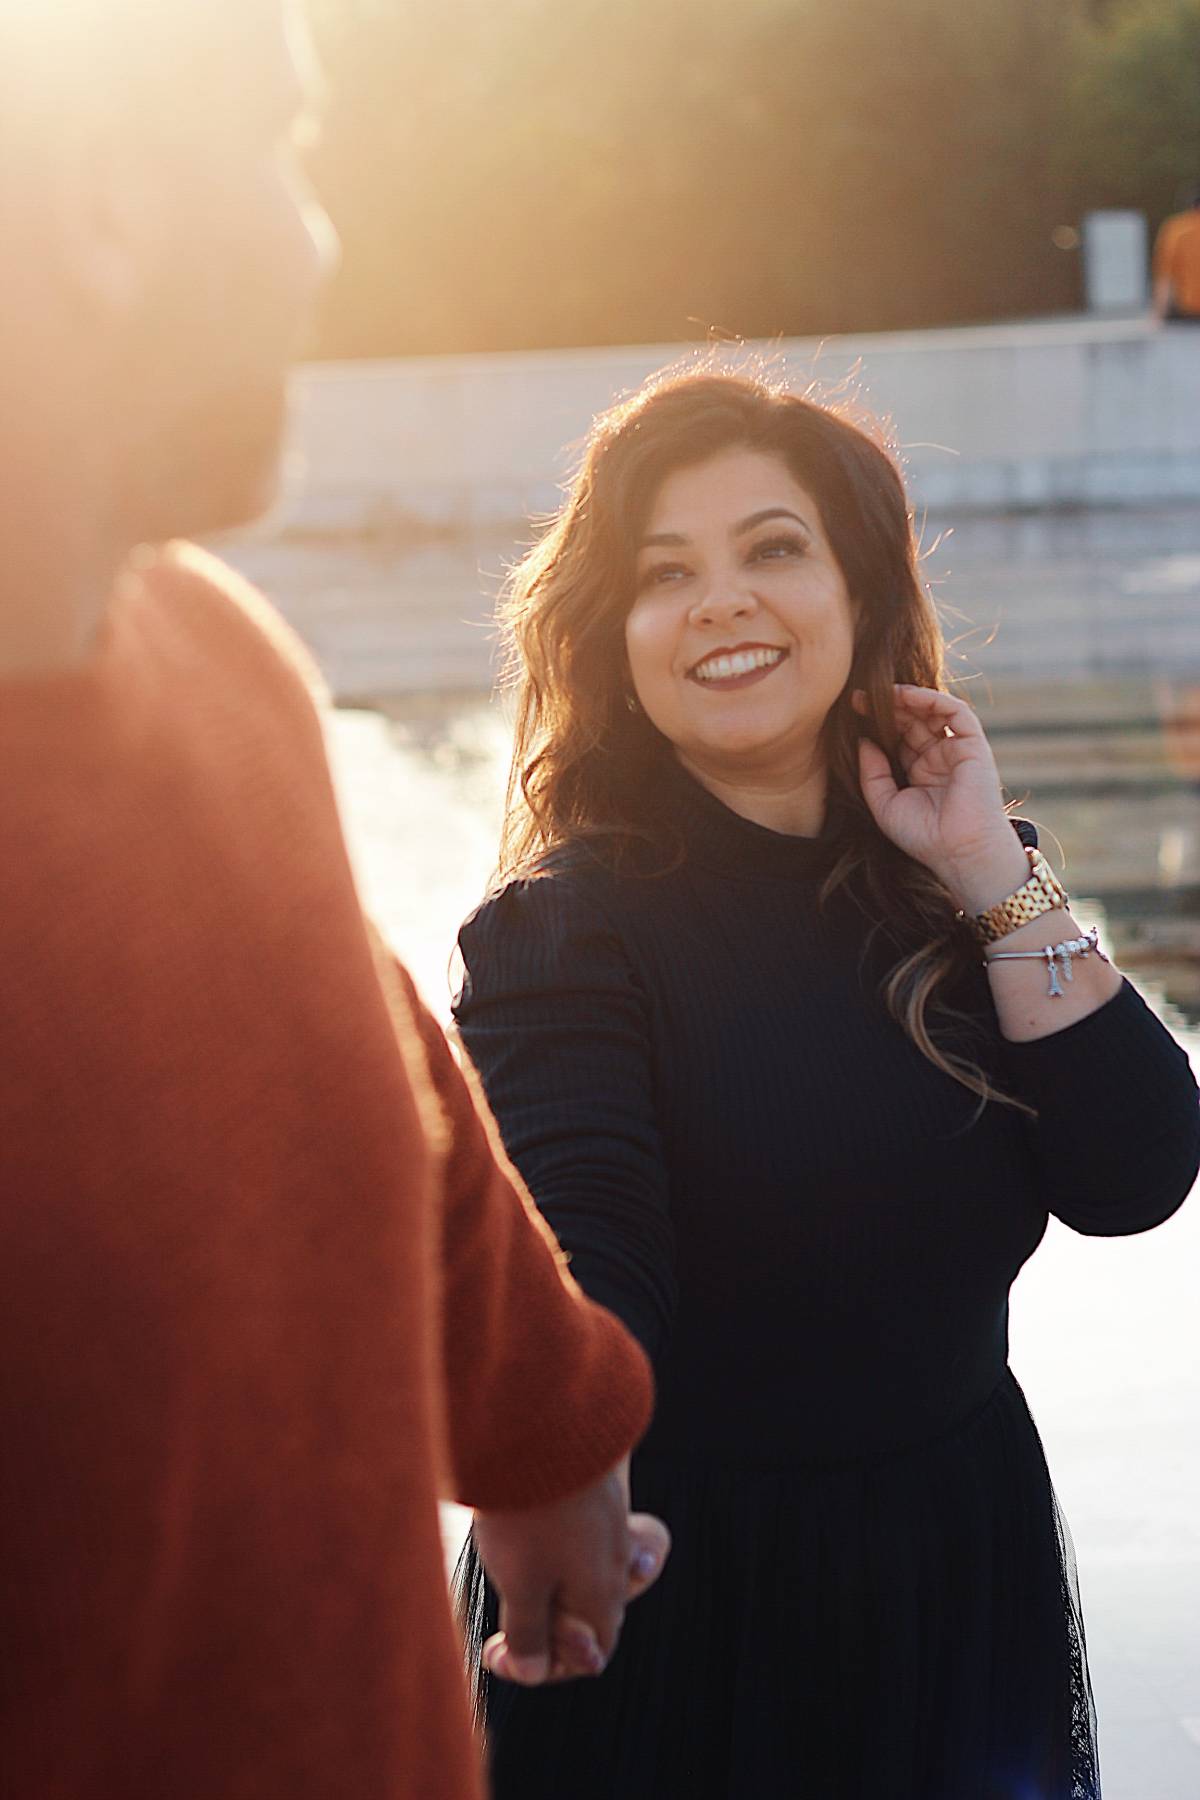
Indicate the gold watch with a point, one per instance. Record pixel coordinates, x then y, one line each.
1042 893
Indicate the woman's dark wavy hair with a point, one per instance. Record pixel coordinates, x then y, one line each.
583 763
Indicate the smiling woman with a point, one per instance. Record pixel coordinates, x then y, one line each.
731 1008
708 464
741 633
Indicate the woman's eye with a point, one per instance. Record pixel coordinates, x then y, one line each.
771 549
664 572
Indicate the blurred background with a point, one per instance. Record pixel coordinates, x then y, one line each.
539 173
942 214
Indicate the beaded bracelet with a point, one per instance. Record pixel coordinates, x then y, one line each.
1055 955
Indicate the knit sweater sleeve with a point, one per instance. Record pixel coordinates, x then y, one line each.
545 1391
555 1021
1117 1138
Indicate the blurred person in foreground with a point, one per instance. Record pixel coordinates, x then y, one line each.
265 1288
798 1046
1176 266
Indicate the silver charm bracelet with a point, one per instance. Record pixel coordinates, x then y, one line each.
1055 956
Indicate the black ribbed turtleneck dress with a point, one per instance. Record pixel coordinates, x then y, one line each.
813 1231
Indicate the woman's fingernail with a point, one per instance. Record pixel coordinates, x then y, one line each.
644 1564
530 1671
582 1652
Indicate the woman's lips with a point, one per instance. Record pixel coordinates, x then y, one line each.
724 670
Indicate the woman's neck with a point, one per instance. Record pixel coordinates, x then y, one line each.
791 802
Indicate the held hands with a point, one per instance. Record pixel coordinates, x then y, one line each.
565 1573
951 815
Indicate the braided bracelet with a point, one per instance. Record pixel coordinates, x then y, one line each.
1055 955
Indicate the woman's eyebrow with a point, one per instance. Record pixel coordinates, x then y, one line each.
673 539
662 538
768 512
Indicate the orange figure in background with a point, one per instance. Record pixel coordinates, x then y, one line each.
1177 265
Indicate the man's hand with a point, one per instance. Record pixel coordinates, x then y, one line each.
564 1574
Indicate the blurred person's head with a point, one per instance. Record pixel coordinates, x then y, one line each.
712 513
162 254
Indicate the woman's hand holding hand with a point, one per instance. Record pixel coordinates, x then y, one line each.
565 1573
951 815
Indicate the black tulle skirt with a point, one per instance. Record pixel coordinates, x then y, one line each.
901 1629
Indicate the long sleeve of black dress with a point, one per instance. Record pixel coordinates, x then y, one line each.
554 1020
1117 1137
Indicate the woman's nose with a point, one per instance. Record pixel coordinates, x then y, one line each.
723 601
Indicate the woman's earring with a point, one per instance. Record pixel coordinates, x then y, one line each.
631 704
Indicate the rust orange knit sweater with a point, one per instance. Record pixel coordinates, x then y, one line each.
264 1288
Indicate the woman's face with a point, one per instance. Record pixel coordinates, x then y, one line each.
741 633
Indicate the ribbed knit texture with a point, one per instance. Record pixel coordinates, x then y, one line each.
871 1594
697 1078
265 1287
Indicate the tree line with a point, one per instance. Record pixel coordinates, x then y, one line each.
509 174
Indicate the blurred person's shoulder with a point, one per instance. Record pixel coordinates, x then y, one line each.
213 613
1168 231
1180 228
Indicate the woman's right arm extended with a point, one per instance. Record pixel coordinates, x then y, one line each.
555 1021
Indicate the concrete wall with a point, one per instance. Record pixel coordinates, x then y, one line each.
1067 412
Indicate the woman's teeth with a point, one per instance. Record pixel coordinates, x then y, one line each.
742 662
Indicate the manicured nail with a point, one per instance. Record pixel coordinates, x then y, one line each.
529 1671
583 1654
644 1564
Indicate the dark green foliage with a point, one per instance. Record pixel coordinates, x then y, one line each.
1137 108
516 173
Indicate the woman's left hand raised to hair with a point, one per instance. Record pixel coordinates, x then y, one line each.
950 816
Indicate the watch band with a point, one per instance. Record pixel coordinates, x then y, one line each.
1042 893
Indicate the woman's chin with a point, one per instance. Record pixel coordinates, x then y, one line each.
741 752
